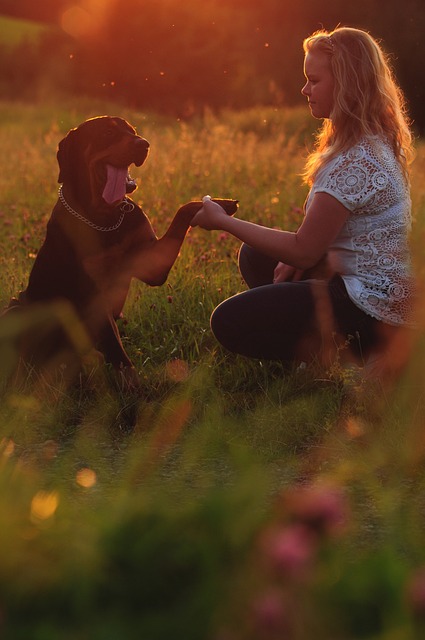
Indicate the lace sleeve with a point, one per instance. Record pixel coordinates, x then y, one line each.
353 178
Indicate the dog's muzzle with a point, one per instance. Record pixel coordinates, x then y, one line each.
142 150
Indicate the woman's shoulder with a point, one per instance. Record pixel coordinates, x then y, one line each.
359 172
368 156
375 149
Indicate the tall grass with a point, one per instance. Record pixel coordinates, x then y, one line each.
14 32
249 502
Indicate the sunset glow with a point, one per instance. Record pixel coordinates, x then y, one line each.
77 22
85 18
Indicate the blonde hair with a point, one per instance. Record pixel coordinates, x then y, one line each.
367 99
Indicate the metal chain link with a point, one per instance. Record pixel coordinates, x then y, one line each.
125 207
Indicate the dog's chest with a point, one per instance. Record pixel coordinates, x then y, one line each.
90 240
105 256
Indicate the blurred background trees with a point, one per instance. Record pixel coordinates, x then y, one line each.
179 56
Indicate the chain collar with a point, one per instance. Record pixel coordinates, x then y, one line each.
125 207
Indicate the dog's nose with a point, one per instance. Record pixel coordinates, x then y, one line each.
142 143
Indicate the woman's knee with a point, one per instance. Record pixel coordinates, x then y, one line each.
256 268
221 324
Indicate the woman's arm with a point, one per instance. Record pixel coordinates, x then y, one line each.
301 249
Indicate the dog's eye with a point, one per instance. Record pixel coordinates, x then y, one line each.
109 133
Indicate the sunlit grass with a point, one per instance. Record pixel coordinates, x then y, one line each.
13 32
160 532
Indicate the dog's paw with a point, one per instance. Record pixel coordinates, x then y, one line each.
230 206
190 209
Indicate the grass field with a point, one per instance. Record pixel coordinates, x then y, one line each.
14 32
249 502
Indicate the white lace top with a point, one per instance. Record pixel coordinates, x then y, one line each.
371 252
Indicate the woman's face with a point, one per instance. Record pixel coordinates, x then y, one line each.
319 87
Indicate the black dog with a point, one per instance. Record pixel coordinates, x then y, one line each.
98 239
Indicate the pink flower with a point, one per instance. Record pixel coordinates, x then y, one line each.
270 615
297 210
416 592
290 550
177 370
322 508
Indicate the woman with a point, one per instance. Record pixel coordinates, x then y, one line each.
357 216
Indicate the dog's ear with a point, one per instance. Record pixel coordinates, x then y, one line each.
66 156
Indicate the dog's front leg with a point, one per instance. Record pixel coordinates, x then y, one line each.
152 262
106 338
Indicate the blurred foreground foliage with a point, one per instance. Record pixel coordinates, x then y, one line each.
285 519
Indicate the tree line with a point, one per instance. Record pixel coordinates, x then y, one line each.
179 56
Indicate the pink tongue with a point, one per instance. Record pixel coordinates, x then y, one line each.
116 179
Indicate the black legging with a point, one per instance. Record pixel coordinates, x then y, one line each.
291 321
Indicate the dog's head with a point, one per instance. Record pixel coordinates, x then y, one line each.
94 160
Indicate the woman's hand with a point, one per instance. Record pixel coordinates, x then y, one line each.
211 216
285 273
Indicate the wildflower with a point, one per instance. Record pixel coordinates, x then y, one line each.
296 210
416 592
170 299
322 509
290 550
177 370
269 612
